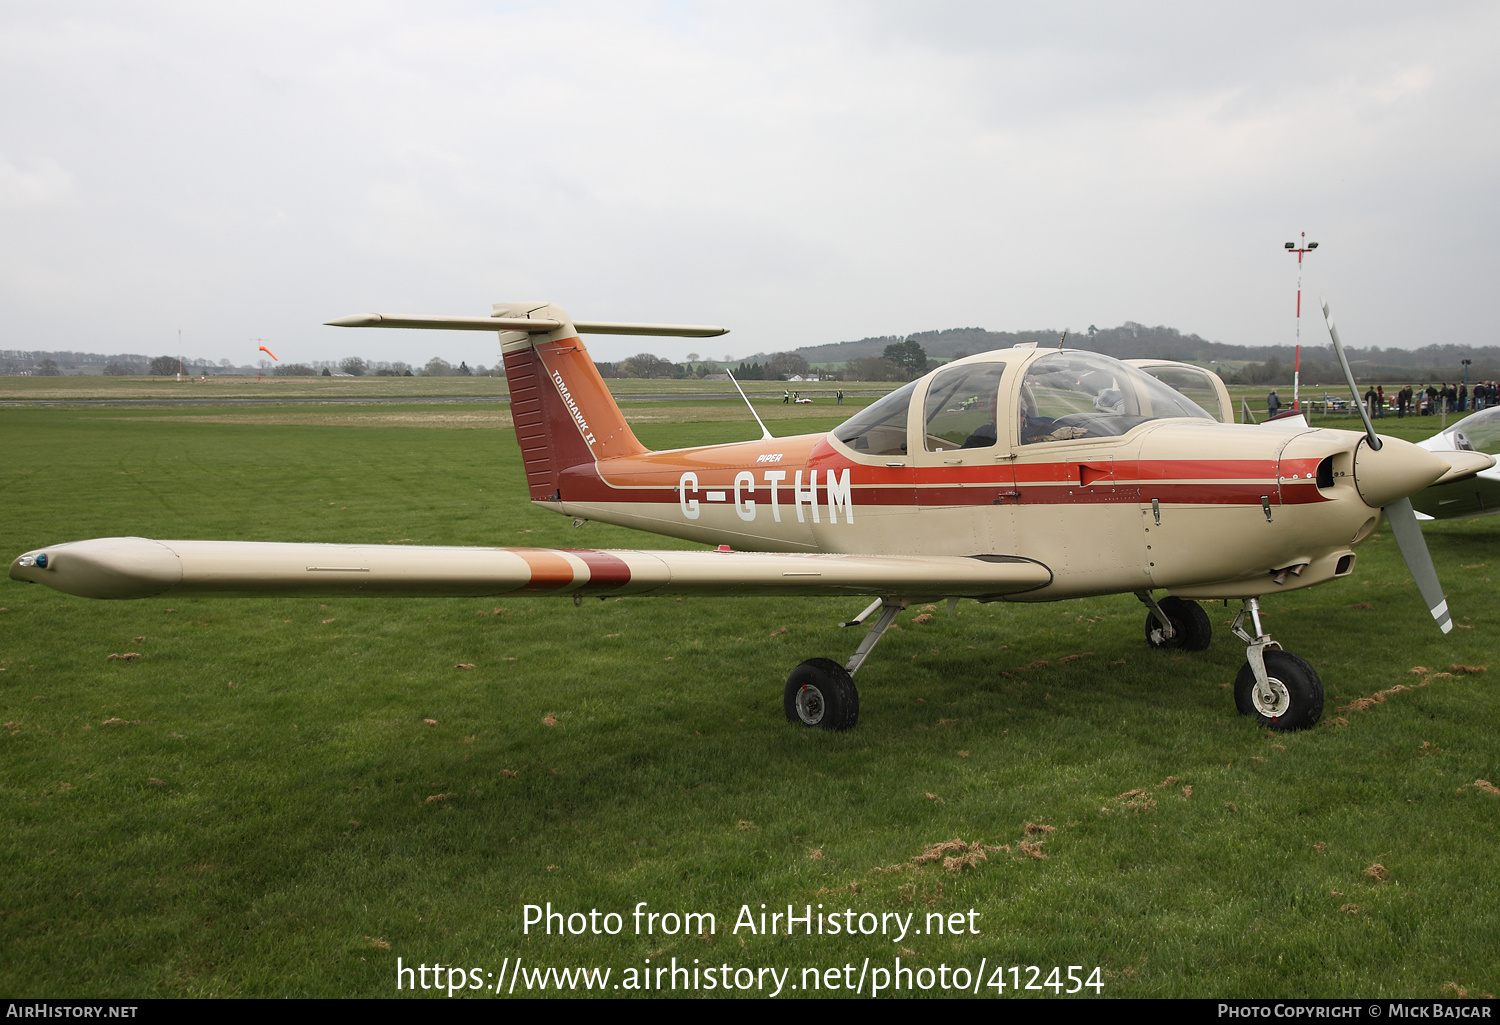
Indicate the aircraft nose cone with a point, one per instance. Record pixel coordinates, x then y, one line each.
1397 470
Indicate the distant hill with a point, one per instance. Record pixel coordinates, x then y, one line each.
1131 340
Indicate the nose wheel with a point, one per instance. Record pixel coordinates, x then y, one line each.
1281 690
1290 697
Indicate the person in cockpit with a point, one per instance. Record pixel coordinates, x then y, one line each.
1110 400
985 434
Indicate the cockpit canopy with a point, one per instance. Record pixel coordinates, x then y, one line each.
1078 394
1061 396
1479 433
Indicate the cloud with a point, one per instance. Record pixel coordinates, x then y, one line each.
801 174
45 183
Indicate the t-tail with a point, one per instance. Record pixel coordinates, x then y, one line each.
564 415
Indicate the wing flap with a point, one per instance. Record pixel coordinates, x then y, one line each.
141 567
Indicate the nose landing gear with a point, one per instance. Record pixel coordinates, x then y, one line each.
1280 689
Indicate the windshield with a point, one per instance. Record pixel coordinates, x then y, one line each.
1069 395
880 428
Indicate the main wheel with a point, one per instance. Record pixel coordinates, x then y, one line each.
1292 698
1191 629
820 693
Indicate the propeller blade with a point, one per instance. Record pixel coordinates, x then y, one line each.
1338 348
1414 550
1402 516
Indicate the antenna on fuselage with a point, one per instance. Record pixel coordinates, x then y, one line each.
765 435
1061 340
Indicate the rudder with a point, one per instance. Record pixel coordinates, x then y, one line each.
564 414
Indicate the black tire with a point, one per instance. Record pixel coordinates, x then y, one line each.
1192 630
820 693
1295 701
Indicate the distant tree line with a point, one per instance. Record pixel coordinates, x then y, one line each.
1261 364
876 358
779 367
52 364
1326 372
55 364
649 366
356 366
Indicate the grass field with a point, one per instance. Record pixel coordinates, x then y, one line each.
282 797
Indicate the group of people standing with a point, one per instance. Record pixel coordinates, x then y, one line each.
788 396
1419 401
1434 399
1482 397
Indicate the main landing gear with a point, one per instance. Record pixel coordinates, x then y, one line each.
1280 689
820 693
1176 623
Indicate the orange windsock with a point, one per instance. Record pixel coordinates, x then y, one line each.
268 352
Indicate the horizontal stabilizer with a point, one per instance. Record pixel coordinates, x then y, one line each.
527 324
137 567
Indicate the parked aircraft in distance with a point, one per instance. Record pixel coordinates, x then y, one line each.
1022 475
1478 495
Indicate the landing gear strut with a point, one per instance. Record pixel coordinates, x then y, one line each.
1280 689
820 693
1176 623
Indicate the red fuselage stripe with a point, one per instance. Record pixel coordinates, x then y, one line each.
1169 482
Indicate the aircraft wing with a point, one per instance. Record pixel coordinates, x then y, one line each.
1462 465
137 567
1471 487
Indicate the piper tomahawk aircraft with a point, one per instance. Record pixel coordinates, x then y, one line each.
1025 474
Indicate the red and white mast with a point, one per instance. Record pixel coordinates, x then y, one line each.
1292 247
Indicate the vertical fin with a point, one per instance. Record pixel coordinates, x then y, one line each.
565 418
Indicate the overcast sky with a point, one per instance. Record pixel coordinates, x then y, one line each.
800 173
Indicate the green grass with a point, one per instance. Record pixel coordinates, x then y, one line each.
259 824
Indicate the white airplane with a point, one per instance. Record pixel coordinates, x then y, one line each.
1478 495
1025 474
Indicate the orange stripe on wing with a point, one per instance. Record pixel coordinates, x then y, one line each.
549 571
